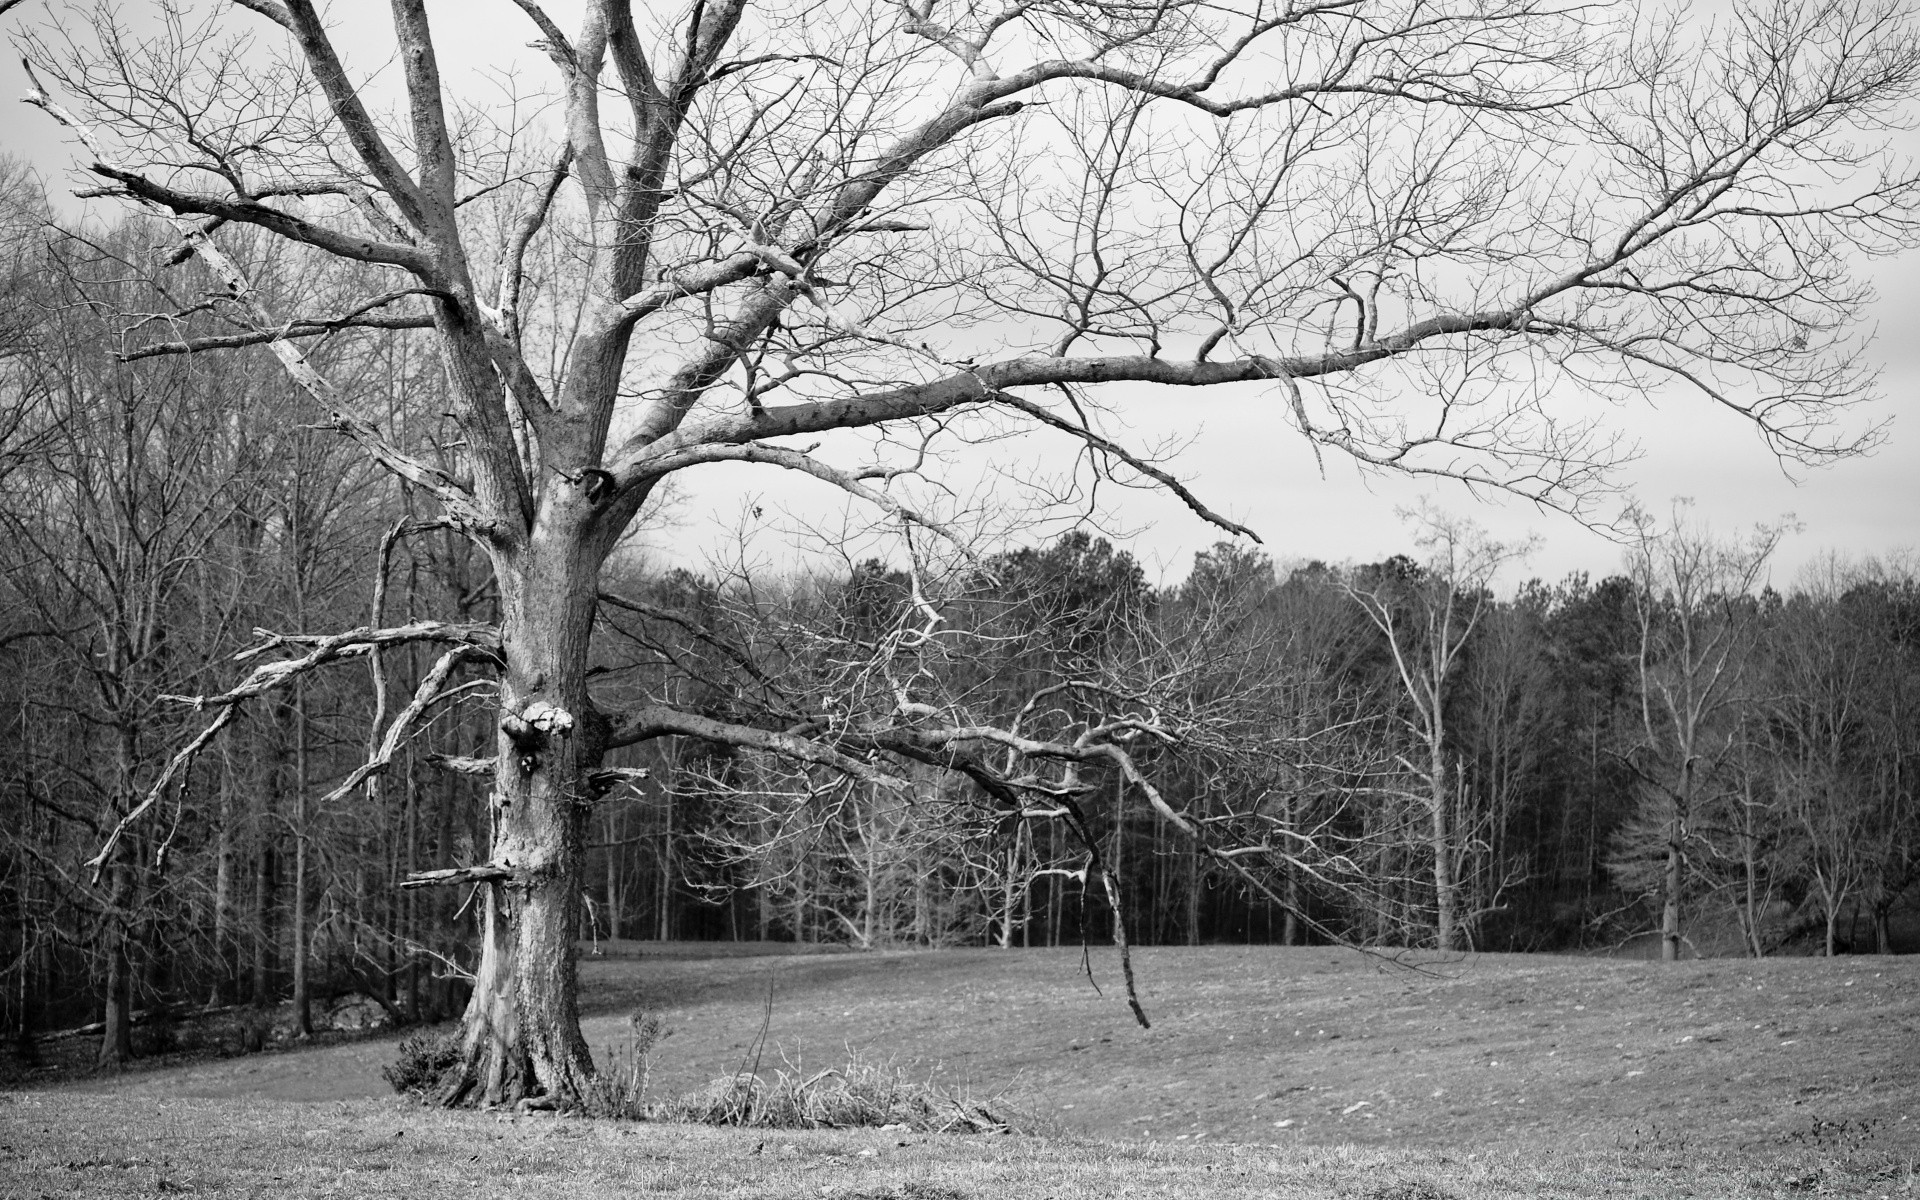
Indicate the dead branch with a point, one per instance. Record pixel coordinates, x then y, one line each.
484 873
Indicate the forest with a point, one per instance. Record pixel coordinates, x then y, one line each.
1431 751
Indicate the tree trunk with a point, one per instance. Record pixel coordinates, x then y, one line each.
1445 898
116 1038
1193 899
800 899
665 911
868 927
1670 907
522 1025
613 876
263 927
297 911
1290 921
1026 895
223 965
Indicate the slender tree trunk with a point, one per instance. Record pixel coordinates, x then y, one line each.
297 910
261 988
1289 920
1010 891
1056 889
116 1039
1670 907
1026 895
665 909
1445 899
409 900
799 917
1193 899
613 876
440 910
223 962
116 1042
870 913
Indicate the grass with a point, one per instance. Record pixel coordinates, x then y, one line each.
1326 1047
92 1144
1490 1076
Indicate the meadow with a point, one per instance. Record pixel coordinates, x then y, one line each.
1268 1072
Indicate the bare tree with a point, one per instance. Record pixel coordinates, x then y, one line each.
1829 670
1428 612
1422 227
1699 619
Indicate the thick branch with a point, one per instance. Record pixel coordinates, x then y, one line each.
484 873
984 384
344 99
271 219
657 720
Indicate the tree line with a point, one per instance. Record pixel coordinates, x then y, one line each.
1674 755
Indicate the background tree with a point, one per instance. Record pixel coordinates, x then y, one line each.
1698 624
1427 612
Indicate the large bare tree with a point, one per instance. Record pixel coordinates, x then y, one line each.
1435 231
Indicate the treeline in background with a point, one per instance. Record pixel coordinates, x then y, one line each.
1672 758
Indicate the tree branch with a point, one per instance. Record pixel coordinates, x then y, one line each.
657 720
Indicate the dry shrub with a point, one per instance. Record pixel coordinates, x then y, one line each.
861 1094
619 1088
423 1059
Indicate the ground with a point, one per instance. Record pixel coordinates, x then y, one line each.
1320 1072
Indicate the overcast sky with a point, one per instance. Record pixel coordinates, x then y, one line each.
1242 456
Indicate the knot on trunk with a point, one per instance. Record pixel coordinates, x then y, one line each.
533 727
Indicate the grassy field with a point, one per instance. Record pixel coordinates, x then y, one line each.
1268 1073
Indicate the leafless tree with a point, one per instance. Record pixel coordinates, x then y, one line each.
1429 230
1427 612
1699 619
1829 671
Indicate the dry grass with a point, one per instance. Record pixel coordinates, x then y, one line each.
76 1144
1555 1077
1323 1046
859 1095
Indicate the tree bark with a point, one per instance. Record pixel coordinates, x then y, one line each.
116 1039
522 1029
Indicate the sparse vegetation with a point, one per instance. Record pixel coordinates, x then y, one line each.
423 1057
620 1088
859 1095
